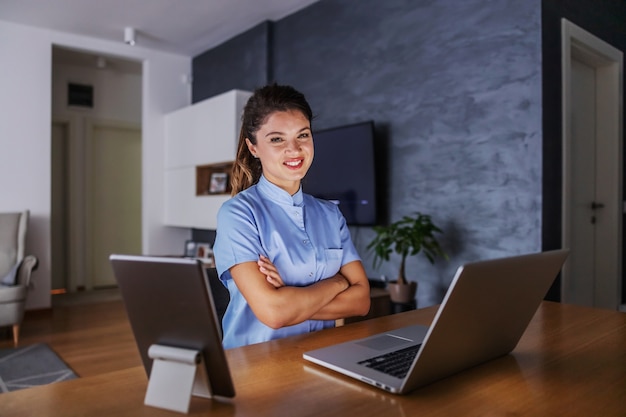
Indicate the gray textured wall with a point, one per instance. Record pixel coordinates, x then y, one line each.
241 63
457 86
454 87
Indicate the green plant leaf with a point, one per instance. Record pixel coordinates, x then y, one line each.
408 236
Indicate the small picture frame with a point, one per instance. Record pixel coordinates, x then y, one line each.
219 183
212 179
204 252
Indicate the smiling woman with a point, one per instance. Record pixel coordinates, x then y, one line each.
286 257
284 146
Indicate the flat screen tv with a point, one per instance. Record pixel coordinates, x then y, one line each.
343 171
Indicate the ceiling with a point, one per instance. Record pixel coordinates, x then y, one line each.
187 27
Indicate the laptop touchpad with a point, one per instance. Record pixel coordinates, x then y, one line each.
384 342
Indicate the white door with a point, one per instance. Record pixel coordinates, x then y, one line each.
592 160
113 199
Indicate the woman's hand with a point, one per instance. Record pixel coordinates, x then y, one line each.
272 276
268 269
278 305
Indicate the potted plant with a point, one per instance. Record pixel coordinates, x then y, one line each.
407 237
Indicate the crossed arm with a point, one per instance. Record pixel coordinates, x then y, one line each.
278 305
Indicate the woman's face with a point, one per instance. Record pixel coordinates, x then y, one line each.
284 145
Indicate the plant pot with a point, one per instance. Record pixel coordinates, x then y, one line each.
402 293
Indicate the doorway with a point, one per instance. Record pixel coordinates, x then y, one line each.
592 169
96 168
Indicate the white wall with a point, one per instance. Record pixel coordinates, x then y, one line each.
25 121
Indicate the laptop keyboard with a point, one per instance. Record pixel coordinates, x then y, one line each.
395 363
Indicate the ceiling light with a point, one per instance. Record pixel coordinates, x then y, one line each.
129 35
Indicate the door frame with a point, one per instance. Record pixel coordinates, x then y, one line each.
59 207
608 62
74 264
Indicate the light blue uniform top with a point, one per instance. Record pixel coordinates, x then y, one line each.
307 239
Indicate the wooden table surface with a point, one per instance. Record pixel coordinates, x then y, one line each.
570 362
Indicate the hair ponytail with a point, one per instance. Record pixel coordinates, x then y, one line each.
246 168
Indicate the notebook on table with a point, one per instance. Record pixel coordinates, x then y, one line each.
484 313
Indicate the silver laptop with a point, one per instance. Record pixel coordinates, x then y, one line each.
483 316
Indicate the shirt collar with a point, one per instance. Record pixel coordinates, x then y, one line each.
277 194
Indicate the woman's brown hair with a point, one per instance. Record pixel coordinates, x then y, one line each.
266 100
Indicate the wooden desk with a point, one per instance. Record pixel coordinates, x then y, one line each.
570 362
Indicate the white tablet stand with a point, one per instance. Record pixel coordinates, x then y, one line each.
176 374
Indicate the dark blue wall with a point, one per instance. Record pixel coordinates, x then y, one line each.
241 63
457 85
455 89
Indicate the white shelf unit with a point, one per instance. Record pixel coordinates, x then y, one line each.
204 133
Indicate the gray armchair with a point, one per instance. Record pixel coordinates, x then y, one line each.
15 270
